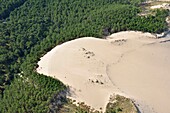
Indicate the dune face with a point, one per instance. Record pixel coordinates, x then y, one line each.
132 64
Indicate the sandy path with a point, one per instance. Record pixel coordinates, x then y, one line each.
164 0
133 64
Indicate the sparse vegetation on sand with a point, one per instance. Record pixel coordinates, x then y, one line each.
121 104
150 7
117 104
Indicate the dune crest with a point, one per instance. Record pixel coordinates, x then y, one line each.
133 64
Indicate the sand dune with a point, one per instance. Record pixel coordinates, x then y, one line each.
132 64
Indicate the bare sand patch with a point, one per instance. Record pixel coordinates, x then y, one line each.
133 64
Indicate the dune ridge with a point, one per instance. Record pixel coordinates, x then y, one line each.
132 64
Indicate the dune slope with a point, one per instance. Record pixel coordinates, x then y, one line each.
132 64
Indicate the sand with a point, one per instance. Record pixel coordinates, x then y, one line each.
164 0
132 64
164 6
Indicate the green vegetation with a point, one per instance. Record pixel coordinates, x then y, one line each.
30 28
33 94
8 6
121 104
